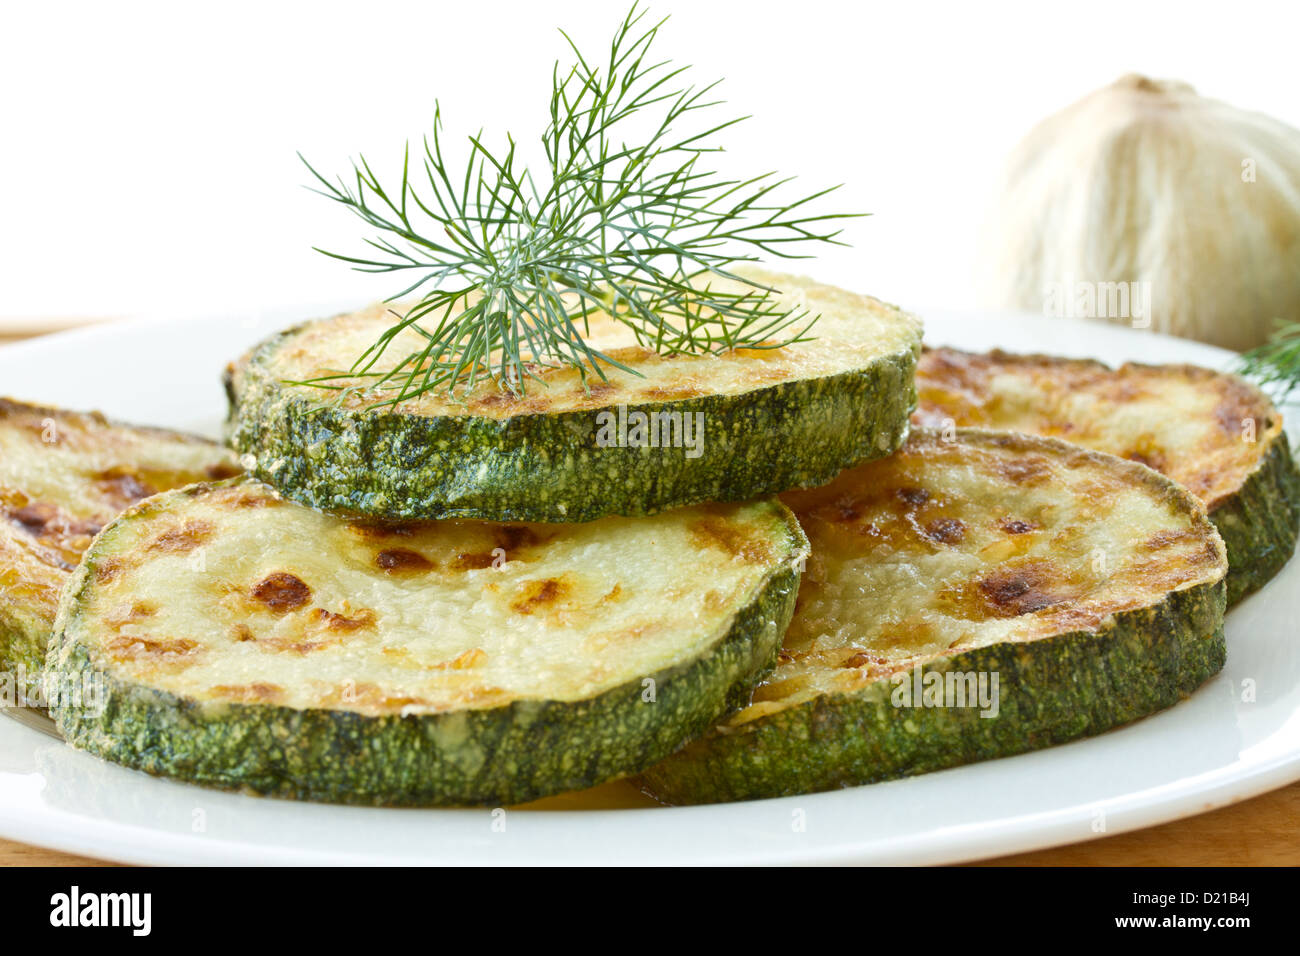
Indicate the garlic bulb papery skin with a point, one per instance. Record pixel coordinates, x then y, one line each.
1148 205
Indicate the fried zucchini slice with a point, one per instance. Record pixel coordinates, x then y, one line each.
968 599
1216 435
63 476
692 429
240 640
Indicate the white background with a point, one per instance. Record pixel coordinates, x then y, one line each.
147 151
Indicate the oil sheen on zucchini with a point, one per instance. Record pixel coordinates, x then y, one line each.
63 476
243 641
1216 435
726 427
1090 588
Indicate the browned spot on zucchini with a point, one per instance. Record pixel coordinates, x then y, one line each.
508 540
242 632
338 622
1147 452
1012 590
1164 539
1016 526
255 693
156 650
912 496
1029 471
595 393
946 530
282 592
107 569
472 561
716 532
1237 406
402 560
124 484
381 529
539 594
294 646
184 539
256 501
512 536
34 517
239 497
43 520
316 631
130 614
861 659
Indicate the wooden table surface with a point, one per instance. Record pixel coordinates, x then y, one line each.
1263 831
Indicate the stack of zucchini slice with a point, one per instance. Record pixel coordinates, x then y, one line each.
472 602
496 598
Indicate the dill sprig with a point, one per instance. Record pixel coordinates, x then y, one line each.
1275 365
510 267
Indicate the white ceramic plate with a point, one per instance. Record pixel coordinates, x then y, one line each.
1208 751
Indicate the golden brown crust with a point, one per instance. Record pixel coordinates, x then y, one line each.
1206 430
852 329
419 616
954 543
63 476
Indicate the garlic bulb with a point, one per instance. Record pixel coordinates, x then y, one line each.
1148 205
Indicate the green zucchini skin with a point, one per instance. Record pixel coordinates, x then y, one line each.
548 467
1051 691
489 757
1259 524
22 651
